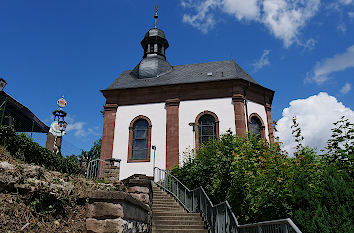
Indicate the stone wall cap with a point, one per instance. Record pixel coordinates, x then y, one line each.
116 196
113 160
138 180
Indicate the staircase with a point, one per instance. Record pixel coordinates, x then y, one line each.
168 216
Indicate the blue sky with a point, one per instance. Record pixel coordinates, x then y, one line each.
76 48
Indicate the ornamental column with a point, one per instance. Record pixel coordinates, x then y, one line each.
172 133
240 117
110 111
268 109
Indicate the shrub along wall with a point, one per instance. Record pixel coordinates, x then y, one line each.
262 183
23 148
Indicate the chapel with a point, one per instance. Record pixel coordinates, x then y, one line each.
156 111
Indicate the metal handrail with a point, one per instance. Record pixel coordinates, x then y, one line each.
219 218
95 169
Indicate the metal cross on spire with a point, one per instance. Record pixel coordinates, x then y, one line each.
156 16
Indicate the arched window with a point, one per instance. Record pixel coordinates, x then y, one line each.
207 127
139 140
256 125
152 48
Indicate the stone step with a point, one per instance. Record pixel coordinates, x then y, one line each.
169 212
164 200
189 227
166 203
162 196
167 209
179 231
177 222
175 206
173 214
169 216
162 204
157 189
172 218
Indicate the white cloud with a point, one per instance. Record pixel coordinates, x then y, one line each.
204 20
315 116
338 4
283 18
341 27
242 9
338 62
346 88
351 15
78 128
310 44
263 61
345 2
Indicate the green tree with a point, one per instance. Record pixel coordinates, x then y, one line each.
262 183
93 153
328 208
340 148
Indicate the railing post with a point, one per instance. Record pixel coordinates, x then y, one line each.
200 200
177 191
216 227
192 203
185 196
206 209
286 228
164 179
160 177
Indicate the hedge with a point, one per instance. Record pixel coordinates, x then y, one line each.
22 147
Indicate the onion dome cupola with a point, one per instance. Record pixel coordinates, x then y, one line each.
154 61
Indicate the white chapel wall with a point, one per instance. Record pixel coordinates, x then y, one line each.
253 107
189 110
125 114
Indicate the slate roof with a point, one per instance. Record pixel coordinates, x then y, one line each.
192 73
24 119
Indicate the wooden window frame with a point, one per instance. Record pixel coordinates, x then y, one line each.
196 125
260 120
130 143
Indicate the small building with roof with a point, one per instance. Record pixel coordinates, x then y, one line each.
176 108
13 113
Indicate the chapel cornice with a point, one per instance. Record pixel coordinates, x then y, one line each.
194 91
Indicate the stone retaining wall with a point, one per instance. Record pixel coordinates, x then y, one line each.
139 186
116 211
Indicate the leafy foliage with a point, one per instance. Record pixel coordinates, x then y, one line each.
23 148
340 148
262 183
93 153
327 209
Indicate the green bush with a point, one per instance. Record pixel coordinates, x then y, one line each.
23 148
262 183
328 209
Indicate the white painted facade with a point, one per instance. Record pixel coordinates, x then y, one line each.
188 111
125 114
